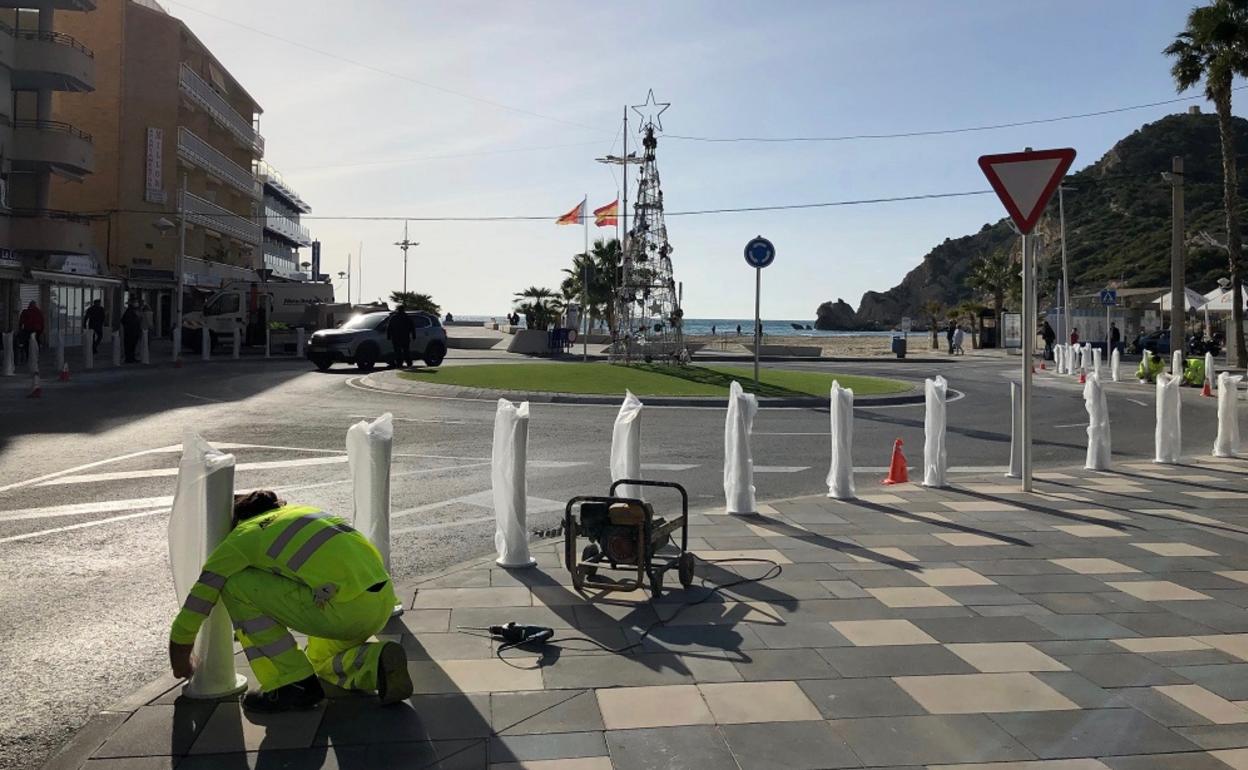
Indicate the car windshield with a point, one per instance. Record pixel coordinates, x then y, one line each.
365 321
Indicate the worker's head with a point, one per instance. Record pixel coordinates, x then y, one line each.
254 504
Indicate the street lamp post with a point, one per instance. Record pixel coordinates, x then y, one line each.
1061 209
405 244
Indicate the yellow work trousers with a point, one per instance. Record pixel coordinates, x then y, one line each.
265 608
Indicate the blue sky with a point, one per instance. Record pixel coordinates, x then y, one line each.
357 142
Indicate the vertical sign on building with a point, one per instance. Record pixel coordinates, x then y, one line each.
316 260
155 190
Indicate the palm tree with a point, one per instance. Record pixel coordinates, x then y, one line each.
934 309
969 311
542 308
1214 47
994 275
415 301
603 262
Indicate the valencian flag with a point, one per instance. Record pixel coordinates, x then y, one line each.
573 217
607 215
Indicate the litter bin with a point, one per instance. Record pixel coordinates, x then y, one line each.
899 345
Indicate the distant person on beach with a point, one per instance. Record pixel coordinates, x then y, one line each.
738 330
949 335
712 330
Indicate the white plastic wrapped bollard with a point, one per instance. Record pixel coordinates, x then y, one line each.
626 446
511 447
369 449
60 351
1057 358
1176 364
1115 365
1016 431
6 367
1209 375
145 352
32 355
1096 362
1168 436
202 510
841 421
88 349
299 342
238 342
1085 358
1227 442
1098 458
935 456
116 348
738 459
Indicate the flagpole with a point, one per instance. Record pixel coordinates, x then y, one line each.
585 280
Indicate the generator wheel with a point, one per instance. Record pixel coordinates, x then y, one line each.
656 583
589 552
684 568
578 579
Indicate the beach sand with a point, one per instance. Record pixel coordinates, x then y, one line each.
846 345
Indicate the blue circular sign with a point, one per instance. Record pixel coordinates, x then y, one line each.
759 252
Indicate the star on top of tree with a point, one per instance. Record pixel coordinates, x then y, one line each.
646 110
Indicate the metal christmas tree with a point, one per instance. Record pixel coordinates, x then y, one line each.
648 314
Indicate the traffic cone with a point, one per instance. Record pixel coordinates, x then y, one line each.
897 471
64 375
36 389
1043 367
1083 377
1207 390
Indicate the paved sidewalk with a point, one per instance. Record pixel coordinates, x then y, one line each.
1096 623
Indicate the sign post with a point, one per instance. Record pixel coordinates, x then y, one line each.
1025 183
759 253
1109 298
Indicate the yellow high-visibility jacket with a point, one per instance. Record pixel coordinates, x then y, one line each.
303 544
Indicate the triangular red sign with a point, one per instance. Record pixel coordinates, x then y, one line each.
1025 181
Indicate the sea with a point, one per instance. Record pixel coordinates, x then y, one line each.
701 327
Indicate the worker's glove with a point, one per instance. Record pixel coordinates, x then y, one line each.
181 660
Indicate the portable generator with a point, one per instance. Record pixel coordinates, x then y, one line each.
625 535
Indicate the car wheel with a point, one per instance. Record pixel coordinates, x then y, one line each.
366 358
322 363
435 354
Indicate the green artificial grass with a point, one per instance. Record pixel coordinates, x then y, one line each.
651 380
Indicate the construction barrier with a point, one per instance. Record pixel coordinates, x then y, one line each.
1210 376
738 459
1059 359
935 456
1168 436
841 421
6 366
1098 457
203 509
510 484
1016 431
1227 442
626 445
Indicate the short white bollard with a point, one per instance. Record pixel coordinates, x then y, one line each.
116 348
1176 364
145 352
88 349
203 508
1096 362
6 367
1099 451
60 351
1227 442
738 456
1168 435
370 446
1209 375
510 484
299 342
205 344
841 423
32 354
238 343
626 446
1115 365
935 455
1059 354
1016 431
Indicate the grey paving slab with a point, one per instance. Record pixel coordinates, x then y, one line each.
552 711
350 721
1122 670
546 746
158 730
128 763
794 635
929 740
1190 761
904 660
231 730
854 698
1091 733
674 748
1230 680
795 745
1216 736
1158 623
1079 689
794 664
1004 629
1083 627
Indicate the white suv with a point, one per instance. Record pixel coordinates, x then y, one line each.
362 341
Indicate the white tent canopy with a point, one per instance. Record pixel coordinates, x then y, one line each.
1192 298
1222 302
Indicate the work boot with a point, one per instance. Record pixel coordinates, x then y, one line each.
303 695
394 684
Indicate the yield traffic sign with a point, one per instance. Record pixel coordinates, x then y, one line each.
1025 181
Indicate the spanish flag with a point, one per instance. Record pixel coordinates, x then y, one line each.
606 216
573 217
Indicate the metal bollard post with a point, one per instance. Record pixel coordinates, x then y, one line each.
238 342
6 369
32 361
369 448
177 345
268 345
205 343
60 351
116 335
88 349
299 342
145 353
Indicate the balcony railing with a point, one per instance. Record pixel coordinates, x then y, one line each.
207 214
53 125
283 225
37 143
206 97
59 38
51 60
197 152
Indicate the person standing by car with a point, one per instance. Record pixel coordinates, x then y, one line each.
131 330
1050 337
400 331
1115 336
30 324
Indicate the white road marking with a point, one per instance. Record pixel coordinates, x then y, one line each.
555 464
84 525
672 467
88 466
87 478
421 472
1073 425
482 499
82 509
1132 400
433 420
780 468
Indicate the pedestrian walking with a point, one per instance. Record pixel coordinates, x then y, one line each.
958 337
1050 337
738 330
93 319
949 335
1074 336
287 568
131 330
400 331
30 324
1115 336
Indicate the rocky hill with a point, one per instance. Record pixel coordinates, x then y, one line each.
1117 224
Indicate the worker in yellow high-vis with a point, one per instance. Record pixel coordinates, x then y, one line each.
287 567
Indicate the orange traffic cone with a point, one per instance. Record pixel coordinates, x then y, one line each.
897 471
1207 390
1043 367
1083 377
36 390
64 375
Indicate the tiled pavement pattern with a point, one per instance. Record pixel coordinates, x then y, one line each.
1097 623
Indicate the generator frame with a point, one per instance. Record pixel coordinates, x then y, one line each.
584 567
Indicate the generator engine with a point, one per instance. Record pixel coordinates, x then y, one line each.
613 529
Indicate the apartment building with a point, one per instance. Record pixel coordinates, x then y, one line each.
284 234
46 254
174 132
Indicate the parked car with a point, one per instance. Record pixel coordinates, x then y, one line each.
362 341
1158 342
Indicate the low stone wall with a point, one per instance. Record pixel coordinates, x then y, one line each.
529 342
810 351
472 343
